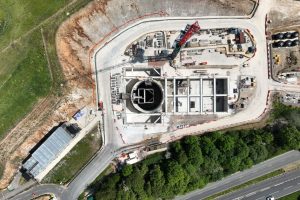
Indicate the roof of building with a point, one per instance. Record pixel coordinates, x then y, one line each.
48 151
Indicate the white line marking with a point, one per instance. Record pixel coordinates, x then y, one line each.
250 194
274 192
265 189
279 184
238 198
287 187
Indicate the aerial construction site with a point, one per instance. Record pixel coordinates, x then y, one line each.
143 74
169 77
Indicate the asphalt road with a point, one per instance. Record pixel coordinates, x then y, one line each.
278 187
38 191
242 177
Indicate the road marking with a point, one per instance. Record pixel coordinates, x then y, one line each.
265 189
250 194
238 198
279 184
287 180
263 197
274 192
287 187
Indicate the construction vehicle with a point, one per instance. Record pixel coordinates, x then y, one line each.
277 59
189 31
100 105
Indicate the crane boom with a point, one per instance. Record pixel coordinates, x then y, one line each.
189 31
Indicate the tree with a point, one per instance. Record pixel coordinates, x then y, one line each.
225 143
211 166
127 170
246 163
290 137
148 189
280 110
181 157
177 179
190 169
175 147
178 153
214 136
123 194
209 149
195 183
107 190
233 165
241 149
157 181
136 182
193 150
267 137
251 137
258 152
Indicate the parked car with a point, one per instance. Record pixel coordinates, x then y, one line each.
270 197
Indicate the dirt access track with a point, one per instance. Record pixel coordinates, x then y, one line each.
76 39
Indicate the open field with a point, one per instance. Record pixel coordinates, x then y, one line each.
19 16
30 81
24 76
75 159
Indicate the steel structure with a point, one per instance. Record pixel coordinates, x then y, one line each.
189 31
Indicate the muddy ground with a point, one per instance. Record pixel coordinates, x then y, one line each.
285 16
75 41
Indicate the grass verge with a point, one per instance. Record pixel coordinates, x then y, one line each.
24 71
26 84
75 159
244 185
106 172
293 196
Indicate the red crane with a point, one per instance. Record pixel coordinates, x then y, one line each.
189 31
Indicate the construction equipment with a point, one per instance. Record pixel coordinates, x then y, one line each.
276 59
189 31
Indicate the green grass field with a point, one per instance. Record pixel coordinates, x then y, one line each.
74 160
293 196
24 71
19 16
24 74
